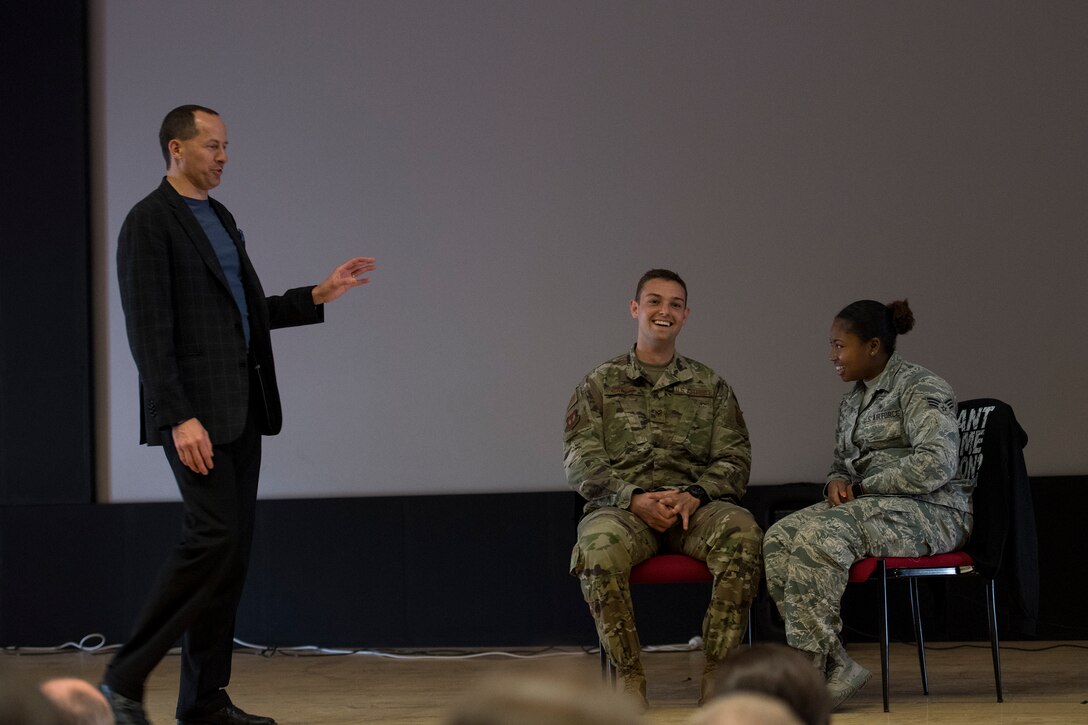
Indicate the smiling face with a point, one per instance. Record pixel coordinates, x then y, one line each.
661 311
855 359
196 164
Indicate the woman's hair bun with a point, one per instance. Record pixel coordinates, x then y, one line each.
902 317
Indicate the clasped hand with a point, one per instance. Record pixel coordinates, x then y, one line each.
839 492
661 509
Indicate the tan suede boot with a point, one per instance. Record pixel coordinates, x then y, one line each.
634 684
709 685
844 677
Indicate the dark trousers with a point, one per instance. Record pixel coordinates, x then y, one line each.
198 589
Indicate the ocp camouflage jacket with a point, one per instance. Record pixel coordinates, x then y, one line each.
624 433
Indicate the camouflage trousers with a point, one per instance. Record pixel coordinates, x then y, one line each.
808 555
612 540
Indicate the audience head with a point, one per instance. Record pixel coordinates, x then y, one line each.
868 319
78 701
782 673
745 708
545 700
21 703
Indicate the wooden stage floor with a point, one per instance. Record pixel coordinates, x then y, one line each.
1044 683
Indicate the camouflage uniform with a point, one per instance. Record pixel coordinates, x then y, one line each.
899 439
626 434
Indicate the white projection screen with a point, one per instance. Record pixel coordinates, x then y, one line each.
516 166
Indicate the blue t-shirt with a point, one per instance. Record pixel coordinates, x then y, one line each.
225 251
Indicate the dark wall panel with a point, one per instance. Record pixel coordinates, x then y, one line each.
45 339
444 571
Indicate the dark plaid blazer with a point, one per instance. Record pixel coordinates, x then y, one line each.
185 330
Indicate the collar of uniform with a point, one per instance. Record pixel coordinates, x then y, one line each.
678 370
880 382
634 370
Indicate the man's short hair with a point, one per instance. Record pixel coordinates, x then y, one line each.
660 274
778 671
745 708
544 699
180 124
21 701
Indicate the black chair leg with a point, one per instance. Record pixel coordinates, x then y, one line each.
919 635
884 632
995 645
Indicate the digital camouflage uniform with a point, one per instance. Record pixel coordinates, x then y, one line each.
898 437
625 435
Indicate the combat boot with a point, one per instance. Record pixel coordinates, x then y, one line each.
844 676
634 684
709 684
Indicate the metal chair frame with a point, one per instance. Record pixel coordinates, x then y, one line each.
912 574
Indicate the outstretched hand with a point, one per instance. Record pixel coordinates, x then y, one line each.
343 278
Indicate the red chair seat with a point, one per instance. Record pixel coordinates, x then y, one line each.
862 570
670 569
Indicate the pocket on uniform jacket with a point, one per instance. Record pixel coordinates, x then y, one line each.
882 429
697 439
696 424
625 423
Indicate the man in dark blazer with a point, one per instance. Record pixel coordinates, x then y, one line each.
198 324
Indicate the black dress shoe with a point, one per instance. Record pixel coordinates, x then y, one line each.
126 711
229 715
